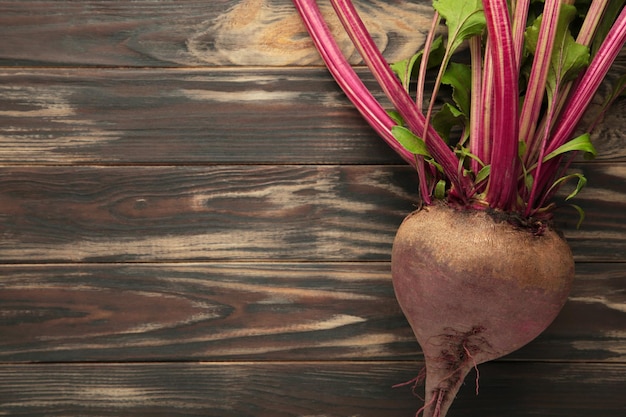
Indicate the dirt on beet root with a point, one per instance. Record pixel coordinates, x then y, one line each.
474 287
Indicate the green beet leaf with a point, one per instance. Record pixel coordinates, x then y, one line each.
580 143
406 69
464 19
447 118
410 141
568 57
459 77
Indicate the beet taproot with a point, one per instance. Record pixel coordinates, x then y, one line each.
483 276
474 287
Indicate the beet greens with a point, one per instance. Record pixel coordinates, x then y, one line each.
521 75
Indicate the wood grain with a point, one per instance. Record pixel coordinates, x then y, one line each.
118 214
280 389
136 116
201 116
190 33
290 212
199 311
195 221
259 311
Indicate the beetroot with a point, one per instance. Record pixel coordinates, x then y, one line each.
474 287
478 271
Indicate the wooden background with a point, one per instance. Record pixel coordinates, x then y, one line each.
195 221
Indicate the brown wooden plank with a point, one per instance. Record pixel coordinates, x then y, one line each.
199 213
233 115
189 32
197 312
604 226
340 389
293 212
598 302
181 117
171 136
259 311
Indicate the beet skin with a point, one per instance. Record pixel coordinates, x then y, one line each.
474 288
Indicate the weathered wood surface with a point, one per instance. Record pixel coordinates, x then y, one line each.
121 116
195 221
195 116
318 213
189 32
259 311
279 389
